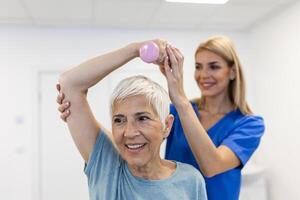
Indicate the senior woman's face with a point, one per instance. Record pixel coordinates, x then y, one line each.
137 131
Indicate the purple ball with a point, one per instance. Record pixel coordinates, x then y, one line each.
149 52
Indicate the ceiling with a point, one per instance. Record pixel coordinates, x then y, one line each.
235 15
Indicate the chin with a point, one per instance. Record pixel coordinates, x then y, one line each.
208 94
136 162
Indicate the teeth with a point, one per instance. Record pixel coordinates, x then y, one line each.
207 84
134 146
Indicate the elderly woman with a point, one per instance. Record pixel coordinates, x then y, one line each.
126 164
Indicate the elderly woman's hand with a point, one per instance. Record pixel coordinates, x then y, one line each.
162 44
63 106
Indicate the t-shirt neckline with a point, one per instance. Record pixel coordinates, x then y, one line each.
152 182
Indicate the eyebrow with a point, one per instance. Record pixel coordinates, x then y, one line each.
142 113
137 114
210 63
118 115
213 62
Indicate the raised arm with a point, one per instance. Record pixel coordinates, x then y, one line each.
75 84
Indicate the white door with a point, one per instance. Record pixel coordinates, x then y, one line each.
61 167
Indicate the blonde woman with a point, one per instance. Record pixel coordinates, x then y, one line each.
217 133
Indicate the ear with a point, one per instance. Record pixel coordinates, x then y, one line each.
168 125
232 72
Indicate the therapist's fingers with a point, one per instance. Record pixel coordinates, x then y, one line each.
173 61
167 68
179 58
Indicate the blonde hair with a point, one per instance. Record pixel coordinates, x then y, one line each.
155 95
223 47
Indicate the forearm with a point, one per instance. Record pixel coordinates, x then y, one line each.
94 70
204 150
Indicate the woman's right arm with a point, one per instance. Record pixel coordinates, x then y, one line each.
74 85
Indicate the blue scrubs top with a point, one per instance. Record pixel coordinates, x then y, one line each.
241 133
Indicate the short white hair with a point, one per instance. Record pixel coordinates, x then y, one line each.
154 93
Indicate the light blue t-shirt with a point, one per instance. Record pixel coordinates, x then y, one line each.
109 178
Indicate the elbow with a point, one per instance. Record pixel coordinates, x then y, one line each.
208 173
64 80
67 82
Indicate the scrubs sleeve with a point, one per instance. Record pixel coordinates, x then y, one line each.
245 137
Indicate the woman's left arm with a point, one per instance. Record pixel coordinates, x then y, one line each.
212 160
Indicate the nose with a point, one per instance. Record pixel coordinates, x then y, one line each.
203 73
131 130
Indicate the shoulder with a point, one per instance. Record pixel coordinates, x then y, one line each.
103 150
251 118
248 121
188 171
102 139
246 131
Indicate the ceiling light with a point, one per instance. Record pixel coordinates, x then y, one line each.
199 1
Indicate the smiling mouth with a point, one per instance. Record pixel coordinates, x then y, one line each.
207 85
135 146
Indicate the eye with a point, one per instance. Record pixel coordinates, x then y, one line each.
214 67
118 120
143 118
198 67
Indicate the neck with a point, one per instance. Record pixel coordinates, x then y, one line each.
153 171
220 104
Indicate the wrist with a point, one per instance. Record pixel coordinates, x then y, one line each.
134 49
182 104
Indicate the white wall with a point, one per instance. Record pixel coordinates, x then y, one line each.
269 53
276 45
25 51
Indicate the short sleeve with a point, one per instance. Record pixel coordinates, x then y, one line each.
245 137
104 155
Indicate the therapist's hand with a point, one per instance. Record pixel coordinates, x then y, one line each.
173 71
63 106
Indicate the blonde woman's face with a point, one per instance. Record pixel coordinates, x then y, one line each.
212 74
